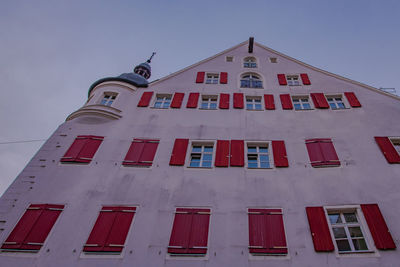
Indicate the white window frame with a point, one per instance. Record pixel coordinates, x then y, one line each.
212 78
109 98
396 143
253 78
210 99
163 101
291 80
293 97
203 144
361 223
259 144
334 96
250 63
253 103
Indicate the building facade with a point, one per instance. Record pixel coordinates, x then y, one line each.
247 158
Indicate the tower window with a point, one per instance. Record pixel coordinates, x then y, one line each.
250 62
162 101
108 99
250 81
212 78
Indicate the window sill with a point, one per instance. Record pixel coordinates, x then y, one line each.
255 109
201 168
208 108
304 109
355 252
259 168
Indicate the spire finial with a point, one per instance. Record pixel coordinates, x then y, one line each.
152 55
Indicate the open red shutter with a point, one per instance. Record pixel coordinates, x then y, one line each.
199 232
238 100
145 99
353 100
282 79
266 232
329 152
179 152
200 77
319 100
286 101
224 101
73 151
314 152
322 153
237 153
223 78
387 149
319 228
222 154
149 151
177 100
87 152
377 226
269 102
181 229
304 78
280 156
193 100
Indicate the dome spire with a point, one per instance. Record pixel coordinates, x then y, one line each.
152 55
144 68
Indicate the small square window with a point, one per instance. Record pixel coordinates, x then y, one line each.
108 99
301 103
336 102
212 78
293 80
229 59
258 155
273 60
209 102
253 103
201 155
162 101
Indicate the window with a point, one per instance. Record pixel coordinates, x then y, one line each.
162 101
108 99
110 230
253 103
250 62
189 235
293 80
250 81
390 147
33 228
201 155
229 59
301 103
273 60
209 102
258 156
82 149
322 153
396 144
336 102
141 153
212 78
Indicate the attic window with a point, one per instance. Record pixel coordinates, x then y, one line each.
273 60
229 59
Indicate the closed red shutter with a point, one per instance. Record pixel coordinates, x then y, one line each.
286 101
237 153
82 149
33 228
73 151
353 100
322 153
387 148
145 99
190 231
179 152
304 78
269 102
377 226
282 79
222 154
110 230
193 100
224 101
280 156
223 78
177 100
319 100
141 152
200 77
266 232
238 100
319 228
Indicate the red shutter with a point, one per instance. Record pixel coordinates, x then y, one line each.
282 79
238 100
319 228
280 156
73 151
351 97
189 233
387 148
266 232
319 100
82 149
223 78
145 99
33 228
224 101
322 153
304 78
237 153
192 101
377 226
177 100
200 77
286 101
141 152
269 102
110 230
222 154
179 152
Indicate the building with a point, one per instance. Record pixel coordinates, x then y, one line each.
247 158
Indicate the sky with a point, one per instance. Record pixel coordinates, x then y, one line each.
52 51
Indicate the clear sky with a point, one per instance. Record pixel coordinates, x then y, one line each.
52 51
